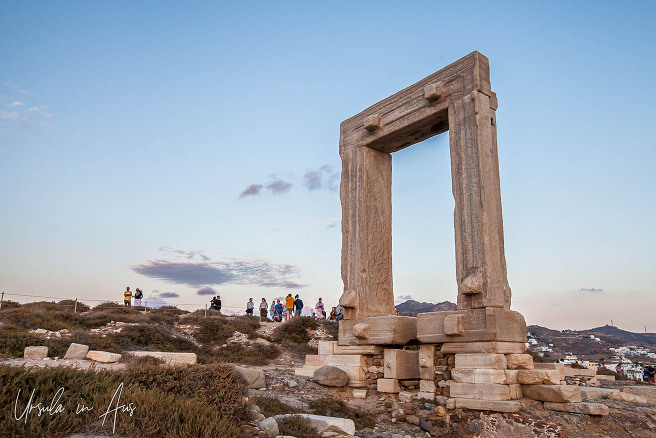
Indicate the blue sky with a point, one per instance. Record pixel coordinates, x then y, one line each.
130 133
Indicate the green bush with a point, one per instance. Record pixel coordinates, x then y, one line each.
8 304
49 316
297 426
13 341
215 330
256 354
151 338
169 402
270 406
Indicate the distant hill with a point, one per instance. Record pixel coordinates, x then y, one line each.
415 307
628 337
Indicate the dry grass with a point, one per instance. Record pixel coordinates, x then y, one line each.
170 402
295 330
298 427
332 407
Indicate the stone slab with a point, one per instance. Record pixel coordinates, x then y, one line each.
421 395
388 385
538 377
401 364
488 405
427 361
332 347
484 391
589 393
519 361
359 393
511 376
578 372
427 386
553 393
76 351
255 379
605 377
559 367
378 330
471 325
39 352
625 396
325 425
168 358
484 347
336 360
648 392
480 360
103 356
578 408
470 375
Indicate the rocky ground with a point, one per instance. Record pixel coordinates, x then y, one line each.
400 417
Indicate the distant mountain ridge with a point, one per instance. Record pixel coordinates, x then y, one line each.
415 307
630 337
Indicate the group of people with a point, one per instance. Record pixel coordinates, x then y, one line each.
127 297
285 309
648 373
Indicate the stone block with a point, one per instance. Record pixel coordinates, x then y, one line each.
331 347
427 361
270 427
401 364
605 377
388 385
325 426
625 396
484 347
578 408
378 330
471 325
168 358
40 352
326 347
538 377
353 365
255 379
483 391
488 405
407 396
103 356
470 375
519 361
553 393
648 392
427 386
480 360
76 351
589 393
559 367
511 376
421 395
359 393
336 360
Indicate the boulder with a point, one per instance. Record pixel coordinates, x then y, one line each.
77 351
35 352
270 427
330 376
552 393
103 356
255 379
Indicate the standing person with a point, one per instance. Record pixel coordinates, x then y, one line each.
263 310
618 369
249 307
213 304
298 305
333 314
127 296
289 307
138 295
218 303
272 310
321 314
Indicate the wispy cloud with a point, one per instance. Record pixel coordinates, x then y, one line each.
169 295
201 271
252 190
15 88
13 115
206 291
188 254
279 186
312 180
15 103
17 117
332 222
274 228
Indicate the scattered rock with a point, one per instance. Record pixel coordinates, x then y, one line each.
330 376
255 379
169 358
35 352
340 426
359 393
270 426
76 351
103 356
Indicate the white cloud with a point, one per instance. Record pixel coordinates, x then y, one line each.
332 222
13 115
274 228
15 103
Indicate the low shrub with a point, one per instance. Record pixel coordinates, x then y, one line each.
8 304
332 407
49 316
215 330
13 341
151 338
256 354
104 313
297 426
270 406
295 330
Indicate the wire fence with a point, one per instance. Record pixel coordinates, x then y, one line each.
76 302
